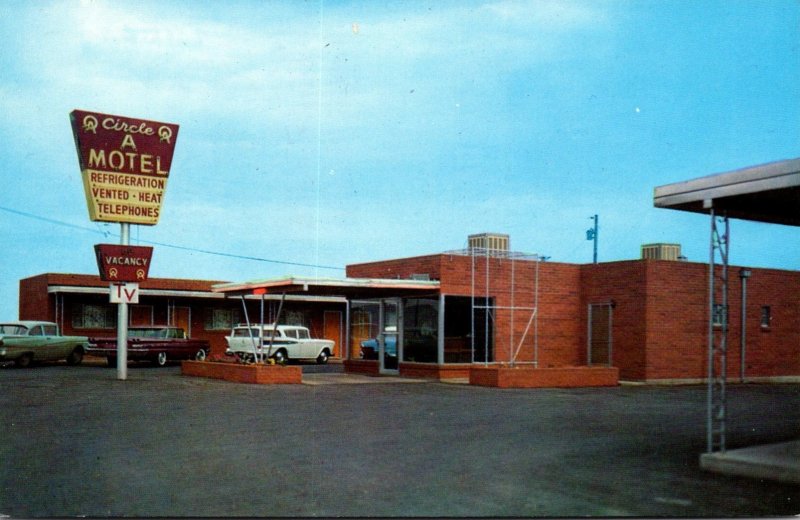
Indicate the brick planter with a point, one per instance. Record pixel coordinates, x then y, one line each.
529 377
365 367
239 373
434 371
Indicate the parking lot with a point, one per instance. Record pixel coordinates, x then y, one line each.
78 442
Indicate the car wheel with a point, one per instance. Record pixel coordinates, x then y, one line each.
323 357
280 357
200 356
111 362
24 361
161 359
75 357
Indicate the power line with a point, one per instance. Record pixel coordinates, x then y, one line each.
173 246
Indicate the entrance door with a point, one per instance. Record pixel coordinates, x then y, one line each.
389 336
332 330
181 317
599 341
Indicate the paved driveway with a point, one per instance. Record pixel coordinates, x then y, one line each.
75 441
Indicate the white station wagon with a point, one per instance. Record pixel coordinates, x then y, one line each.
280 343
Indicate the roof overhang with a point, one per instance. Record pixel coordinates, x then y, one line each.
344 287
765 193
166 293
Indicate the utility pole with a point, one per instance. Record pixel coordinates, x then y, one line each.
591 234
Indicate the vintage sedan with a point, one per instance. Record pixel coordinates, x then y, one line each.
156 344
279 342
25 342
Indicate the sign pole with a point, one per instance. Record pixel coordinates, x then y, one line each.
122 317
125 163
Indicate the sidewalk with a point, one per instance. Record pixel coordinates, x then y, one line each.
779 462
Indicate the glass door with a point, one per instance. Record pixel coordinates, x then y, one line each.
389 337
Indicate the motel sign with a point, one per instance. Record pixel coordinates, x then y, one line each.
125 164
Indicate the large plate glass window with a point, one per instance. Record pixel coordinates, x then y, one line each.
420 330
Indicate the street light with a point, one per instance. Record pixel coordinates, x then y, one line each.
591 234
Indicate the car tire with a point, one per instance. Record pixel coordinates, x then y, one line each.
323 357
111 362
201 355
161 359
24 361
280 357
75 357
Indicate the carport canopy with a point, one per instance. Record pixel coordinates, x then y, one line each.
765 193
351 288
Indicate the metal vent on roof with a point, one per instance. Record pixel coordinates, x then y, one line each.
662 252
489 241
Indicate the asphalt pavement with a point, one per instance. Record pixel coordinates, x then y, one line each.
77 442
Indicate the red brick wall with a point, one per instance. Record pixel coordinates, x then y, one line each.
677 320
34 303
772 351
624 284
678 313
401 268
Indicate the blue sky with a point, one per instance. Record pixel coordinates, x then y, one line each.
328 133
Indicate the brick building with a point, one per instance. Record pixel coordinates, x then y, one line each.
655 313
80 305
649 318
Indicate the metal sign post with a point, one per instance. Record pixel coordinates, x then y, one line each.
122 317
125 163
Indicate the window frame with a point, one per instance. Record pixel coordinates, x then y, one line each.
766 312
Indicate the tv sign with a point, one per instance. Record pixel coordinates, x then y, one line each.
125 164
124 293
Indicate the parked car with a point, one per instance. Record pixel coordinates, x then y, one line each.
281 343
157 344
369 347
24 342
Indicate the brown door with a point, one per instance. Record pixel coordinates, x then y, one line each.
600 326
332 330
181 317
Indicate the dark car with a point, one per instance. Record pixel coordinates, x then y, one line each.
156 344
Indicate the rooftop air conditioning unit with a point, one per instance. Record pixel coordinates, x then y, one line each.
662 252
492 242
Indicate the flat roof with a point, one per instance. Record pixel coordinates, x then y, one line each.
72 289
764 193
348 287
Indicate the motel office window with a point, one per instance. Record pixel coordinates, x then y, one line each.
87 316
420 330
221 319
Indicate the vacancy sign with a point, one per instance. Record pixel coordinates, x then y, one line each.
125 164
123 263
124 293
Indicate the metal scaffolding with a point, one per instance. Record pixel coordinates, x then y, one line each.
717 333
521 293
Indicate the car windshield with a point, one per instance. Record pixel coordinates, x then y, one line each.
11 329
147 333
